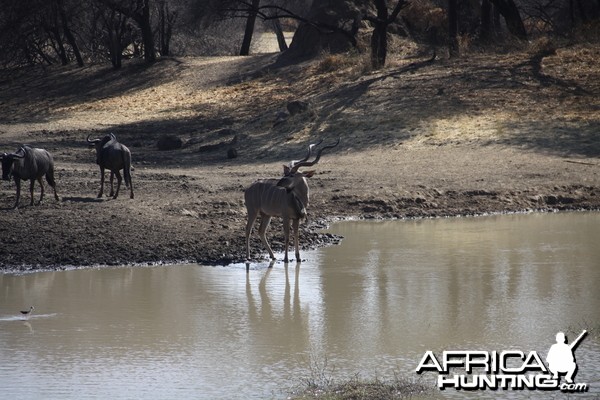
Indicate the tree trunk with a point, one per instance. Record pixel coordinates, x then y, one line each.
453 28
58 46
327 28
379 46
511 15
280 36
143 21
379 36
69 35
165 29
486 20
245 50
496 26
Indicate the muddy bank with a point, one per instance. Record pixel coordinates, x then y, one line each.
199 216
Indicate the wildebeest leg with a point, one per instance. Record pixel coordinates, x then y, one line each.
41 189
18 183
130 185
119 179
31 184
262 229
251 219
127 172
112 178
101 182
295 224
286 233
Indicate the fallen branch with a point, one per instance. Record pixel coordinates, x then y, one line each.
580 162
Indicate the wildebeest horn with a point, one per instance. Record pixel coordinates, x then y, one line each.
93 140
21 151
317 158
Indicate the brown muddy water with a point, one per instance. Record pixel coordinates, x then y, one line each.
371 306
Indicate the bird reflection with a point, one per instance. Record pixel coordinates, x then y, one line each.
28 325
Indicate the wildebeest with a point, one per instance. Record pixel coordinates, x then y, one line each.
114 156
286 198
29 163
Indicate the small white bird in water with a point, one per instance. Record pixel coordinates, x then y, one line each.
28 312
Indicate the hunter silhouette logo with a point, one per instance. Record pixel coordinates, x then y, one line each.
560 356
509 369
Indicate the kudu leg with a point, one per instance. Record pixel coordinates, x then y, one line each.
286 233
262 229
295 225
249 225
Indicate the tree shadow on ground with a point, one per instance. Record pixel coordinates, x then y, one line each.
392 105
575 139
381 109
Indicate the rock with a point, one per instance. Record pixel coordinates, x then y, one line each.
232 153
297 107
169 142
551 199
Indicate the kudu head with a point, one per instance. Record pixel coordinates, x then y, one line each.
294 181
7 162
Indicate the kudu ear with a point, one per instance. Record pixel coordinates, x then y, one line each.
286 170
308 174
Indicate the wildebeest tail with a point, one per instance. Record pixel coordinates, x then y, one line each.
127 168
50 178
50 173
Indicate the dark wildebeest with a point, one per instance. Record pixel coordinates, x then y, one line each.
114 156
286 198
29 163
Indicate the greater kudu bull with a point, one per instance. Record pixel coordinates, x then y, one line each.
286 198
114 156
29 163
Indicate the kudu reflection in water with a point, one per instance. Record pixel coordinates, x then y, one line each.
263 313
286 197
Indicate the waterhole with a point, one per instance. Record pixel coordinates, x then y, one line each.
371 307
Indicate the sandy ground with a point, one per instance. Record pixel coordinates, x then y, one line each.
484 133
